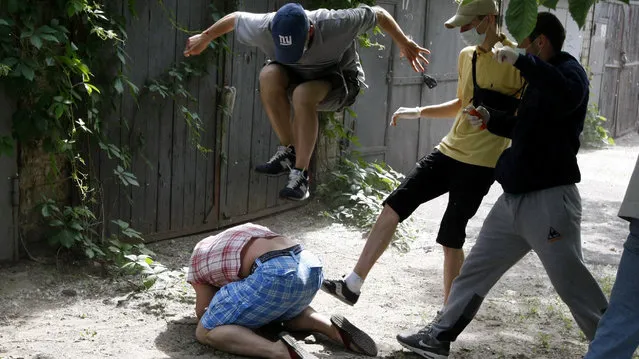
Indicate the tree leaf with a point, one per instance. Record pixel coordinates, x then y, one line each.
89 252
551 4
59 111
56 223
36 41
10 61
521 17
77 226
47 29
90 88
27 72
65 238
4 22
579 10
117 85
46 213
50 38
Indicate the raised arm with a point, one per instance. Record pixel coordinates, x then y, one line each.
408 48
198 43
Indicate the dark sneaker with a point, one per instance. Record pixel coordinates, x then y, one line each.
281 162
294 349
338 289
424 344
297 187
354 338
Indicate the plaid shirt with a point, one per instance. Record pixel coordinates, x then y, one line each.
216 260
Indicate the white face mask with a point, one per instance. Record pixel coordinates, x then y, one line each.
472 37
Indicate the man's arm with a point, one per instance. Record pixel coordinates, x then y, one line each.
408 48
564 86
198 43
203 295
444 110
501 124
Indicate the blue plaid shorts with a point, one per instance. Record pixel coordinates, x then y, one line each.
278 290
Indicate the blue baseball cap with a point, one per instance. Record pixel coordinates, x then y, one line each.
289 28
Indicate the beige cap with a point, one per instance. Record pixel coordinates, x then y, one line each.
469 9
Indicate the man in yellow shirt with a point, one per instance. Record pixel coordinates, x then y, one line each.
462 164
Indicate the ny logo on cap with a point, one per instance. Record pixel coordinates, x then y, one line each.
286 40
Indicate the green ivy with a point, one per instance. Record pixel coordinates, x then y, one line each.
63 63
595 133
354 193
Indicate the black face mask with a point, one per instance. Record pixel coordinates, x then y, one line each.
493 100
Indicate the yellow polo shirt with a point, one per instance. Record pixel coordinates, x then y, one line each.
464 142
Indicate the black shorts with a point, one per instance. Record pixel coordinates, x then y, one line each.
435 175
345 87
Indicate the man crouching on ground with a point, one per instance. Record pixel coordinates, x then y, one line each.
247 277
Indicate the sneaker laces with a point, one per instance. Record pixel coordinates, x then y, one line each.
282 151
427 330
295 178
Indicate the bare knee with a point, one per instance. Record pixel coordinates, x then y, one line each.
309 94
205 336
453 252
388 215
273 76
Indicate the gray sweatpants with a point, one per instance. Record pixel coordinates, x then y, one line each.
546 221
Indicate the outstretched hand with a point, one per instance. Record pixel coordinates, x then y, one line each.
415 55
196 44
405 113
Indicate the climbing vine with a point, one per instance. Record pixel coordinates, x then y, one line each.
63 64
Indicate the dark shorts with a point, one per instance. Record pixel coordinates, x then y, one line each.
345 87
435 175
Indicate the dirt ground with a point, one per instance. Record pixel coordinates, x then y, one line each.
46 312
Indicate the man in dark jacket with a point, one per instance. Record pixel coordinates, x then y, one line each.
541 207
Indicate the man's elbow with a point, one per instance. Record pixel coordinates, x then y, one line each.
381 14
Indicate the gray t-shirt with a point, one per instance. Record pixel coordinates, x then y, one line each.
333 47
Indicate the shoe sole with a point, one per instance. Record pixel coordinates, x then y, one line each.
290 342
273 174
334 295
308 194
423 353
358 338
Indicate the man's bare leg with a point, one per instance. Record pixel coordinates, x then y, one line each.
274 84
306 97
453 260
378 240
337 328
312 321
241 341
348 289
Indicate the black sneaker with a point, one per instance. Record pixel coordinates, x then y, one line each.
354 338
424 344
297 187
295 350
338 289
281 162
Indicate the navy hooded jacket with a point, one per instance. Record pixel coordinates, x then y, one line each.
545 131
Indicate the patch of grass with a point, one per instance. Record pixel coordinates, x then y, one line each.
606 282
88 334
544 340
